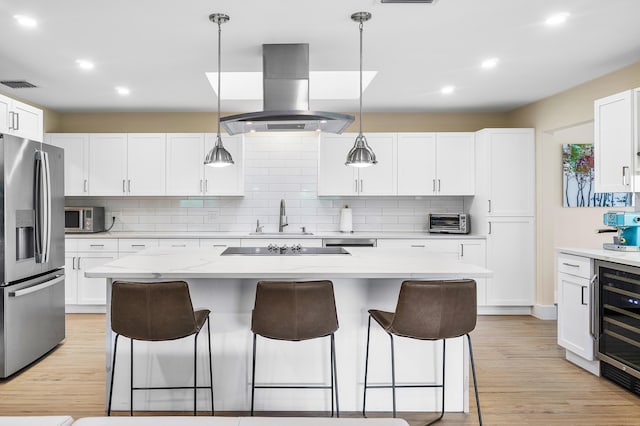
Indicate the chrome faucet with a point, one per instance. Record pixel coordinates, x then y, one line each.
283 217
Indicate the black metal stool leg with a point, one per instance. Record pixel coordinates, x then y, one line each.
393 376
195 374
113 371
332 378
475 383
210 362
335 372
131 383
253 374
444 352
366 368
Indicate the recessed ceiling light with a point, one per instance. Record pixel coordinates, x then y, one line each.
322 84
26 21
557 19
123 91
489 63
84 64
446 90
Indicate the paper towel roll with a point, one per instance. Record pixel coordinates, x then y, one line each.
346 220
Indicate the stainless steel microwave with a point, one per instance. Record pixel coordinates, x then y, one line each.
449 223
83 219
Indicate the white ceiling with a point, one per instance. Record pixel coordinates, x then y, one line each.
161 50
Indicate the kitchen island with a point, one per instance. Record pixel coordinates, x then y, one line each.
363 279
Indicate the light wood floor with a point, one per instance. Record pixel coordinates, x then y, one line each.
522 374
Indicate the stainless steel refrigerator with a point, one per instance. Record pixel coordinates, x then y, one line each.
32 260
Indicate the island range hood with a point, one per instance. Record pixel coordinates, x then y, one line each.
285 70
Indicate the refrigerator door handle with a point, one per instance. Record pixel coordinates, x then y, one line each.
37 287
43 207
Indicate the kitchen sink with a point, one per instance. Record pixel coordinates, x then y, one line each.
281 234
283 251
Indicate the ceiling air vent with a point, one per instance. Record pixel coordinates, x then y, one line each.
409 1
18 84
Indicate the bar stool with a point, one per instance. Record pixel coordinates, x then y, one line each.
428 310
157 311
295 311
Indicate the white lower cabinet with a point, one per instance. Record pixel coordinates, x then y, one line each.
264 242
471 251
81 255
575 322
511 257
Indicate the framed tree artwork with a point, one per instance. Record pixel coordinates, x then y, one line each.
578 177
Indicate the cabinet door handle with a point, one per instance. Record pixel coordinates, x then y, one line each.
17 126
356 181
434 186
461 250
489 228
489 206
570 264
592 304
438 185
625 170
96 245
201 186
582 302
206 186
79 263
124 190
129 185
84 186
361 185
73 263
138 245
11 114
417 245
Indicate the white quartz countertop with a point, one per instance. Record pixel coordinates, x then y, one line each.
273 235
191 263
623 257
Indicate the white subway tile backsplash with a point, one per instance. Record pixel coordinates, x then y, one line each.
276 167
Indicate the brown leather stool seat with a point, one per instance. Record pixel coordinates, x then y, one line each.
295 311
428 310
157 311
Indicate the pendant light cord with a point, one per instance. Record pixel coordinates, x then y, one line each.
219 44
361 25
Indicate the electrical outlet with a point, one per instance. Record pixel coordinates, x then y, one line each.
212 215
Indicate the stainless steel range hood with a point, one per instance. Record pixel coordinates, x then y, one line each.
285 86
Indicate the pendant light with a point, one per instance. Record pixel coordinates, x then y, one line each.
361 155
218 156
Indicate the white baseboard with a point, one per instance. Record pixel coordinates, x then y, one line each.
592 367
545 312
504 310
85 309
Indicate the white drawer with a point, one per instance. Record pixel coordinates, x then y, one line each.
219 242
136 244
178 242
575 265
96 244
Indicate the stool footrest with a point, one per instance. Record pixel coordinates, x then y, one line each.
293 387
172 387
402 386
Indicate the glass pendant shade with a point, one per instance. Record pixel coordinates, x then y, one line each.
361 155
218 156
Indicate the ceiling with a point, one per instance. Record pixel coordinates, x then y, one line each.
161 50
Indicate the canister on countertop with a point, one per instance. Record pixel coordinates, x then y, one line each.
346 220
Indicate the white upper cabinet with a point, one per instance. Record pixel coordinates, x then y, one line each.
505 173
185 164
20 119
613 142
76 161
337 179
187 174
107 164
146 163
436 164
227 180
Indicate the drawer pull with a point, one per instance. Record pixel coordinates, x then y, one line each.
219 245
178 245
417 245
96 245
573 265
138 245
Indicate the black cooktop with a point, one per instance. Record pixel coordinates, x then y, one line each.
274 250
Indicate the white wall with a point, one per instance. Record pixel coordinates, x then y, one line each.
276 167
